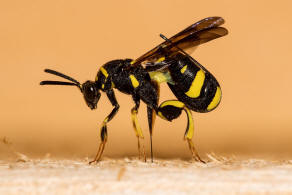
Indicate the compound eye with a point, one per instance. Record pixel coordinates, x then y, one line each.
90 92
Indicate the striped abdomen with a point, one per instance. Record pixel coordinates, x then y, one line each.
197 88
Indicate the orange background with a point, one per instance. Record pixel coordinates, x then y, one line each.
252 64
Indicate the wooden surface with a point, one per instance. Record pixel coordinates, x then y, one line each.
131 176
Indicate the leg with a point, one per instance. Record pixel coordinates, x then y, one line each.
172 109
189 135
149 93
151 113
151 119
103 131
137 128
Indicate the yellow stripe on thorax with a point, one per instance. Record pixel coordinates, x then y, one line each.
161 77
134 81
112 85
104 72
195 88
183 69
216 99
132 62
160 59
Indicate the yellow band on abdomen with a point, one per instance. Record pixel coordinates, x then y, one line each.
216 99
196 86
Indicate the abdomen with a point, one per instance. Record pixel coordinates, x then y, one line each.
197 88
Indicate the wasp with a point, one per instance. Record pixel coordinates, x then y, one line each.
195 88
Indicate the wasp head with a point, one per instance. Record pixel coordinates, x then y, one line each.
91 94
89 89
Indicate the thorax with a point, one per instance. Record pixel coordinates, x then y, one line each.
116 74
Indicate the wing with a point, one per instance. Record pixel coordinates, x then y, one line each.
194 35
198 38
204 24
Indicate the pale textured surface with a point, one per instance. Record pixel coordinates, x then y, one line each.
131 176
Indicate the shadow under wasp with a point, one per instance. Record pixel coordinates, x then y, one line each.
195 88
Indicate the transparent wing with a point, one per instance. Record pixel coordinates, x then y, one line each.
194 35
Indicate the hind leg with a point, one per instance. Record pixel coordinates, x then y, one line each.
171 109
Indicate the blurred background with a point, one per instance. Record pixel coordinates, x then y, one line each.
252 64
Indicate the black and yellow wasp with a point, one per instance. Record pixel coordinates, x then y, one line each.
194 86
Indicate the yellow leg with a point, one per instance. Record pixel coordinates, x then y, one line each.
138 132
171 109
103 136
189 135
99 153
194 152
103 131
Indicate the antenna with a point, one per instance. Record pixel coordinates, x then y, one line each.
56 83
75 82
61 75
